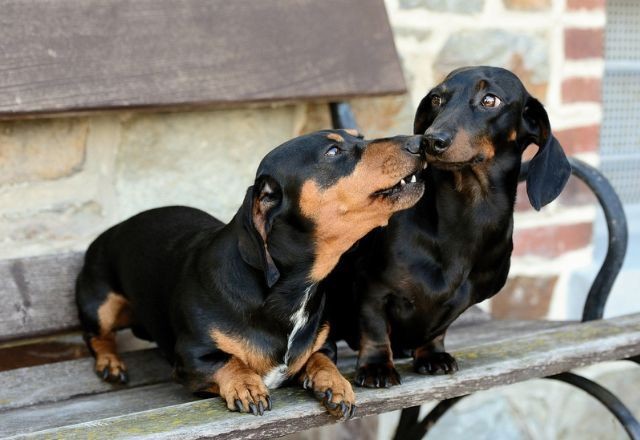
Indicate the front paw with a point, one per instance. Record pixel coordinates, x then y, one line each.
435 363
377 375
329 386
246 393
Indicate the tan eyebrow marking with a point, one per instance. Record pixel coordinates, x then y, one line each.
335 137
352 131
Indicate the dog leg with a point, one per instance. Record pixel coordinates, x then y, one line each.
113 314
431 358
375 367
328 385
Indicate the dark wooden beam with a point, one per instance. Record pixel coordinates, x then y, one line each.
74 56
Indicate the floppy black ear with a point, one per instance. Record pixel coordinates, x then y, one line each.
549 169
260 207
423 118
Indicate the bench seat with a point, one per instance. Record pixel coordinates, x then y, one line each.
67 400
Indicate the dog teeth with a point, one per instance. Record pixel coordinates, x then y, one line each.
402 182
413 179
424 166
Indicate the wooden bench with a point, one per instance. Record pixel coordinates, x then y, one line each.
78 56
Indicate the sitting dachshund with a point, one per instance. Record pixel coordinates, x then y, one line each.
408 282
235 307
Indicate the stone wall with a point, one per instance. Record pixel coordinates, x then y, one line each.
64 180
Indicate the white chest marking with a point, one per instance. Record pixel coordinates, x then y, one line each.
278 374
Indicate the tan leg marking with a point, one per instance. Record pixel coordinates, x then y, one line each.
322 376
240 387
113 314
248 354
300 362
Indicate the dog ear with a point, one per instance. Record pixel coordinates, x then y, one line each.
260 208
423 118
549 169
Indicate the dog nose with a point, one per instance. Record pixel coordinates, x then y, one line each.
437 142
414 144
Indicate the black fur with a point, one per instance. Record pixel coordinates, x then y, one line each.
408 282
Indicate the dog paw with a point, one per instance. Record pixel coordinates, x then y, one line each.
111 369
377 375
435 363
330 387
246 393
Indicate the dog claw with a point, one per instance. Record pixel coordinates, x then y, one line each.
239 406
344 409
328 395
124 377
269 405
105 373
352 412
260 408
253 408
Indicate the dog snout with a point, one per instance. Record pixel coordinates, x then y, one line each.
414 144
437 142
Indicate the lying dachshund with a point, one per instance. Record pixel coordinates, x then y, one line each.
408 282
235 307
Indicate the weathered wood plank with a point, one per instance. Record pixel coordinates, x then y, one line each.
37 294
64 380
489 364
82 55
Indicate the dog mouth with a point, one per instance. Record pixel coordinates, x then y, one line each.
407 184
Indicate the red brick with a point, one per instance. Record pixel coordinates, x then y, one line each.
581 90
579 139
583 43
585 4
524 298
551 241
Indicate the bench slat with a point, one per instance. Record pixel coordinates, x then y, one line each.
70 56
483 365
34 385
37 295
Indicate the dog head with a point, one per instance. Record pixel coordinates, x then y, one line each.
319 193
479 113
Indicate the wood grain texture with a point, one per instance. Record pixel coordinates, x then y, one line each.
70 56
158 411
37 295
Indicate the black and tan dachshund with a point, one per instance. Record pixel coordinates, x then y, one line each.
408 282
235 307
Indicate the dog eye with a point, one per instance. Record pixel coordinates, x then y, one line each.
436 101
333 151
490 101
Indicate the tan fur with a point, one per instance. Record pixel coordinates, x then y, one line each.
114 313
236 381
346 211
251 356
352 131
324 375
301 361
335 137
512 136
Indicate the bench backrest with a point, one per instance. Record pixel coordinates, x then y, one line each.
70 56
78 56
